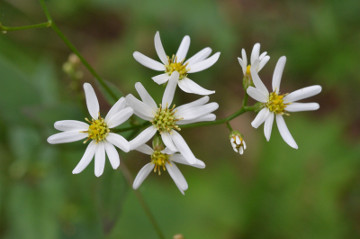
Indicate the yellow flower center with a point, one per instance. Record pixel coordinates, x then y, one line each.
248 73
276 103
98 129
174 65
164 120
159 159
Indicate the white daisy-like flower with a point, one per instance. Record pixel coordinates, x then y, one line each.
98 130
237 142
276 105
199 62
164 160
255 55
167 119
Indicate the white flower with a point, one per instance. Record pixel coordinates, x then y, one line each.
237 142
200 61
275 105
255 55
164 160
166 119
98 131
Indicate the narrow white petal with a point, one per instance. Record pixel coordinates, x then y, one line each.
182 146
201 101
99 159
268 126
302 93
296 107
143 137
148 62
284 132
190 86
143 173
202 65
255 53
263 62
145 96
242 64
66 137
161 79
244 58
198 111
92 102
119 105
183 49
86 158
256 94
241 151
177 176
170 90
160 49
279 68
145 149
178 158
112 155
118 141
168 141
209 117
120 117
201 55
256 79
260 117
262 55
71 125
140 109
167 151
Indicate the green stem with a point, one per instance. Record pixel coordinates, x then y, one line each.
138 126
76 52
229 126
5 29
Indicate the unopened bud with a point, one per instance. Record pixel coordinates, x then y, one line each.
237 142
157 143
178 236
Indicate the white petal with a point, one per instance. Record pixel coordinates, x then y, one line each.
178 158
198 111
92 102
170 90
148 62
120 117
71 125
119 105
145 96
201 55
160 49
190 86
302 93
256 94
99 159
167 151
183 49
118 141
66 137
256 79
279 68
202 65
177 176
140 109
143 137
86 158
145 149
263 63
168 141
268 126
242 64
260 117
161 79
143 173
244 58
255 53
182 146
284 132
296 107
201 101
209 117
112 155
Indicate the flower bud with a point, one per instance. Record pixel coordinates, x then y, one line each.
237 142
157 143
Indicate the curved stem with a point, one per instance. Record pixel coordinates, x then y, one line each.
76 52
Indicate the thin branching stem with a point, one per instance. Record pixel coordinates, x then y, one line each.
5 29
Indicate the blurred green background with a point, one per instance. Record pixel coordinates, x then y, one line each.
272 191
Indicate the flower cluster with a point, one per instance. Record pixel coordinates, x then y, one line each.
163 120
